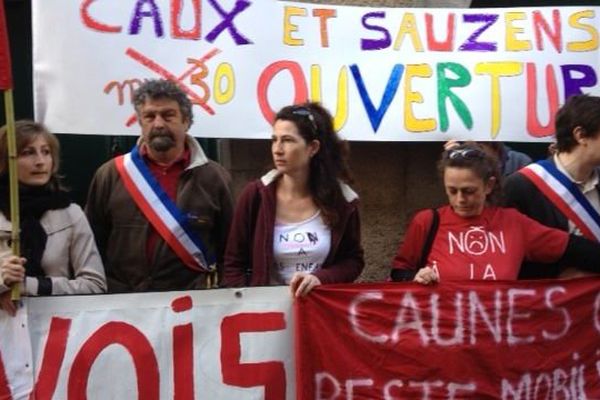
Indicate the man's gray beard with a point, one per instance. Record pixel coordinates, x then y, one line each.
161 143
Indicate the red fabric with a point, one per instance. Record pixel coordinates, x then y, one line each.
134 342
5 65
236 371
5 393
168 176
455 340
491 246
54 355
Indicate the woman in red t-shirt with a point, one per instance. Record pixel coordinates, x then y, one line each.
476 239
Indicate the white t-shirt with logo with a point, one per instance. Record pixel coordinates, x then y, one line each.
299 247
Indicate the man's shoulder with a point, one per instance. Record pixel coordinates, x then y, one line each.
214 166
518 188
519 157
520 192
516 179
107 167
106 174
210 174
211 168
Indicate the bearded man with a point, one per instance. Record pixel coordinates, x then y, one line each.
161 213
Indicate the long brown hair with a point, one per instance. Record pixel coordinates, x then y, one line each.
330 164
27 131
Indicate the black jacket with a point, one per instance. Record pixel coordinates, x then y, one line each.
522 194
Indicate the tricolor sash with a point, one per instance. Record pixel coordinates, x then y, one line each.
565 195
162 212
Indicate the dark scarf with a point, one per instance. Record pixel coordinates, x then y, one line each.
34 201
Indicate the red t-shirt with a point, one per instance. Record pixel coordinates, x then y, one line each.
490 246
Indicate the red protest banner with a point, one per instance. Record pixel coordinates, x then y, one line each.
456 340
5 66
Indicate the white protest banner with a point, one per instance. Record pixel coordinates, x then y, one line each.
16 362
387 74
217 344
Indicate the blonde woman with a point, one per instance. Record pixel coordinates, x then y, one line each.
59 255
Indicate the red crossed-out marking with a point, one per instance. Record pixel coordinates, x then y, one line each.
164 73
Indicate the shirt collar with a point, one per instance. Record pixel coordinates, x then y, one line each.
183 160
585 186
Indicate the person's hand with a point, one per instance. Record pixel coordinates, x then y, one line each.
426 276
450 144
12 270
302 283
7 304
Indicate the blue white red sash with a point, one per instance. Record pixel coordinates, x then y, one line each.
566 196
162 212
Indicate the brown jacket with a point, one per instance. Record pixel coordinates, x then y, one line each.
121 229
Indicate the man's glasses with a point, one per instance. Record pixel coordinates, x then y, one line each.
465 154
305 112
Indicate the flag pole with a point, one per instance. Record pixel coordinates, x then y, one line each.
6 85
15 293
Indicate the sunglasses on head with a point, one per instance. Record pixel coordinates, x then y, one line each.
305 112
466 154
